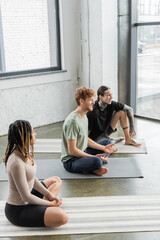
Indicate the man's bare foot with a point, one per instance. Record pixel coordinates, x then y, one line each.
130 141
101 171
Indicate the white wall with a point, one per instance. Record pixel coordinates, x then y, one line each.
109 45
45 98
99 44
89 54
91 43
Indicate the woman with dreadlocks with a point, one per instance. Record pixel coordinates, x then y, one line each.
30 203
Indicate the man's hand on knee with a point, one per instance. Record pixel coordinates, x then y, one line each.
109 149
103 157
132 133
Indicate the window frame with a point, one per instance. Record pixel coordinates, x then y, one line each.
37 71
134 24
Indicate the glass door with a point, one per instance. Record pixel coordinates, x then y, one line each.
148 72
147 59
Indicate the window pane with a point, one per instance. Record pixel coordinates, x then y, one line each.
148 76
148 10
28 34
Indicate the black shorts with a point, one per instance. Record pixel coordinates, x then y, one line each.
109 130
29 215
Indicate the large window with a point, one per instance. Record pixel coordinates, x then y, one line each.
29 36
145 41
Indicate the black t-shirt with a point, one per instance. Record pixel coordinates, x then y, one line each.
99 120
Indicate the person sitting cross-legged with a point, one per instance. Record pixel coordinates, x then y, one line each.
30 203
104 116
81 154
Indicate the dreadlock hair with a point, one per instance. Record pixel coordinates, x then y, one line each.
19 137
101 91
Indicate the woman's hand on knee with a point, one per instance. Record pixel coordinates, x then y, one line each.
51 197
57 202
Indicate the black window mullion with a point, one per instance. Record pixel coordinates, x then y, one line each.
138 24
58 35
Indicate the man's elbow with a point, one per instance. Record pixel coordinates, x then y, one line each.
71 151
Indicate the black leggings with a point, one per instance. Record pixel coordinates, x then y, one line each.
29 215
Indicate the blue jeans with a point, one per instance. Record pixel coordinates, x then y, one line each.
86 164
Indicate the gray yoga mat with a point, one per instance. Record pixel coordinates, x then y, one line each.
118 168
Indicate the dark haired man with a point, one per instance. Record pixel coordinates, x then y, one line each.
105 115
80 154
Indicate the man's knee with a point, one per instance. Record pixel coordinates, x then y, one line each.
97 163
106 142
120 113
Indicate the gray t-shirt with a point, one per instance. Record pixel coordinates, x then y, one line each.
74 127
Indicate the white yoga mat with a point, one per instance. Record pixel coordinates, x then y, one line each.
48 146
54 146
113 214
123 148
